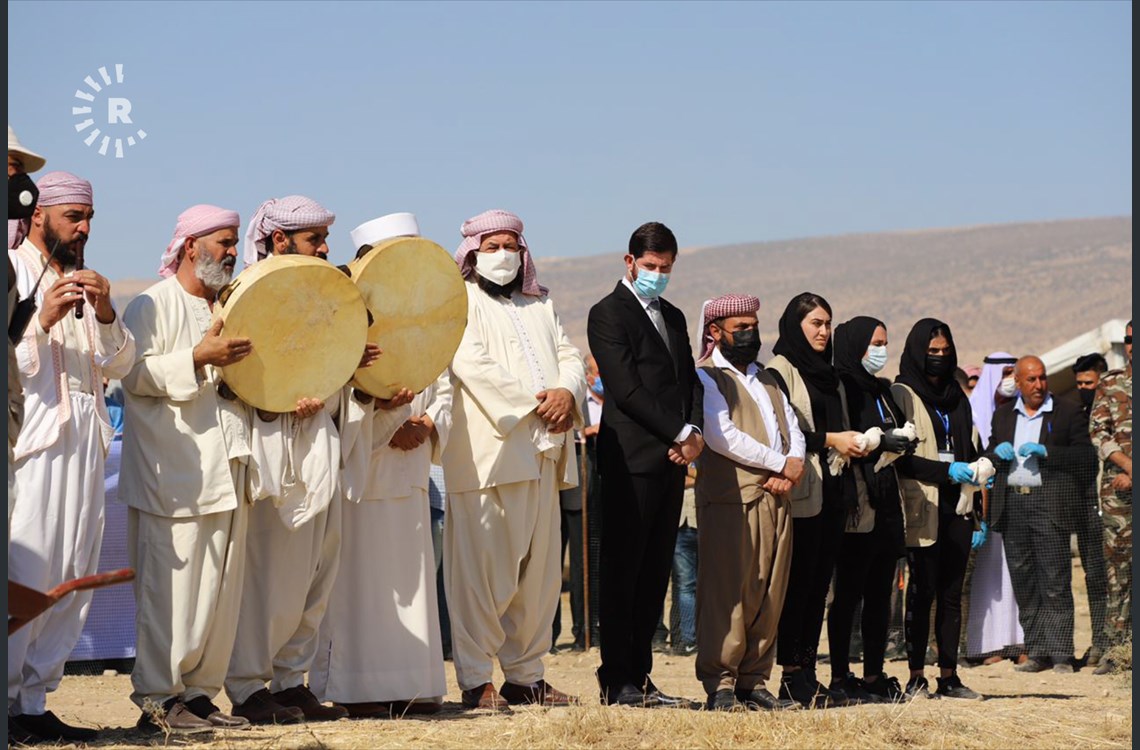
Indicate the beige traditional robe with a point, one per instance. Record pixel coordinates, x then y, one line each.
57 526
503 471
185 451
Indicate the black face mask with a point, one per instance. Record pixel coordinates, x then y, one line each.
22 196
1087 395
937 365
744 349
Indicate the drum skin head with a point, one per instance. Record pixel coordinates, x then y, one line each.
418 302
308 325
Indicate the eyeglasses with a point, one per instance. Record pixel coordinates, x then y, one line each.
1128 339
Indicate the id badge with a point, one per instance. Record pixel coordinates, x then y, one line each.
946 456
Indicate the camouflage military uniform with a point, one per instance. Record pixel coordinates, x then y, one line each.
1110 427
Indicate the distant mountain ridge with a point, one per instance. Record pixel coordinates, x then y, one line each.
1023 288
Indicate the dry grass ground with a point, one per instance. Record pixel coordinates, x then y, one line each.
1044 710
1020 711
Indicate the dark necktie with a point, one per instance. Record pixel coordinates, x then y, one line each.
658 319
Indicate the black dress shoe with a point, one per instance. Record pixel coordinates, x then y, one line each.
203 708
260 708
46 727
628 695
668 701
759 699
301 697
723 700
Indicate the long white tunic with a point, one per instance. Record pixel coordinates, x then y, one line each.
510 351
380 639
57 524
185 451
179 435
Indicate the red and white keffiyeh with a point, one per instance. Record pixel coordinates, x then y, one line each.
289 214
493 222
726 306
196 221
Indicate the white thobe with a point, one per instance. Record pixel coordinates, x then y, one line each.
380 640
293 551
503 471
57 526
185 450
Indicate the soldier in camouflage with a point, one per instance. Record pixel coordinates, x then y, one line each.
1110 428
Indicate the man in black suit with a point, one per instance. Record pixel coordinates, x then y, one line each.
1042 451
650 433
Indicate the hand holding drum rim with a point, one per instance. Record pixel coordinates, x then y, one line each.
403 397
372 352
215 349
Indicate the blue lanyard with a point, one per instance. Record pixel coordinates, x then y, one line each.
946 426
887 419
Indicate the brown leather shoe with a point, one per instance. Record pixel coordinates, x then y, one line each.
301 697
174 718
484 697
260 708
203 708
540 693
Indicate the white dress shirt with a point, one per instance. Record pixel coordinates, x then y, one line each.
687 430
724 437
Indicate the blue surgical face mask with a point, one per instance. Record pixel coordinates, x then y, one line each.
875 359
596 386
650 284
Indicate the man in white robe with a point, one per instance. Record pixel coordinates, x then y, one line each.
518 388
293 549
21 161
380 653
57 525
185 452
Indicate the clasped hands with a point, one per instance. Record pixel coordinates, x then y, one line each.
556 409
686 451
782 483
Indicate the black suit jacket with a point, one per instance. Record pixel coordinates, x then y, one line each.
650 394
1064 472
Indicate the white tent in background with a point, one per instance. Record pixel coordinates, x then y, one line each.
1106 339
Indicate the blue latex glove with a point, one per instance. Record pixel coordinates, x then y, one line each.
980 536
990 483
1004 451
1032 449
961 473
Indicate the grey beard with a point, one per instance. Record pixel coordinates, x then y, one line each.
214 274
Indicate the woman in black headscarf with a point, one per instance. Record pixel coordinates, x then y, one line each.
819 501
873 543
937 538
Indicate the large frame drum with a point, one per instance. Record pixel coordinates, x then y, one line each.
418 302
308 325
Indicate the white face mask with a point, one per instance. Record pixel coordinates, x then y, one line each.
500 267
1007 388
875 359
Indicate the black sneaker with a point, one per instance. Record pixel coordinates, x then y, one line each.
886 689
917 687
952 687
809 693
852 690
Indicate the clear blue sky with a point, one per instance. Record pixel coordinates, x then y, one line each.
730 122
